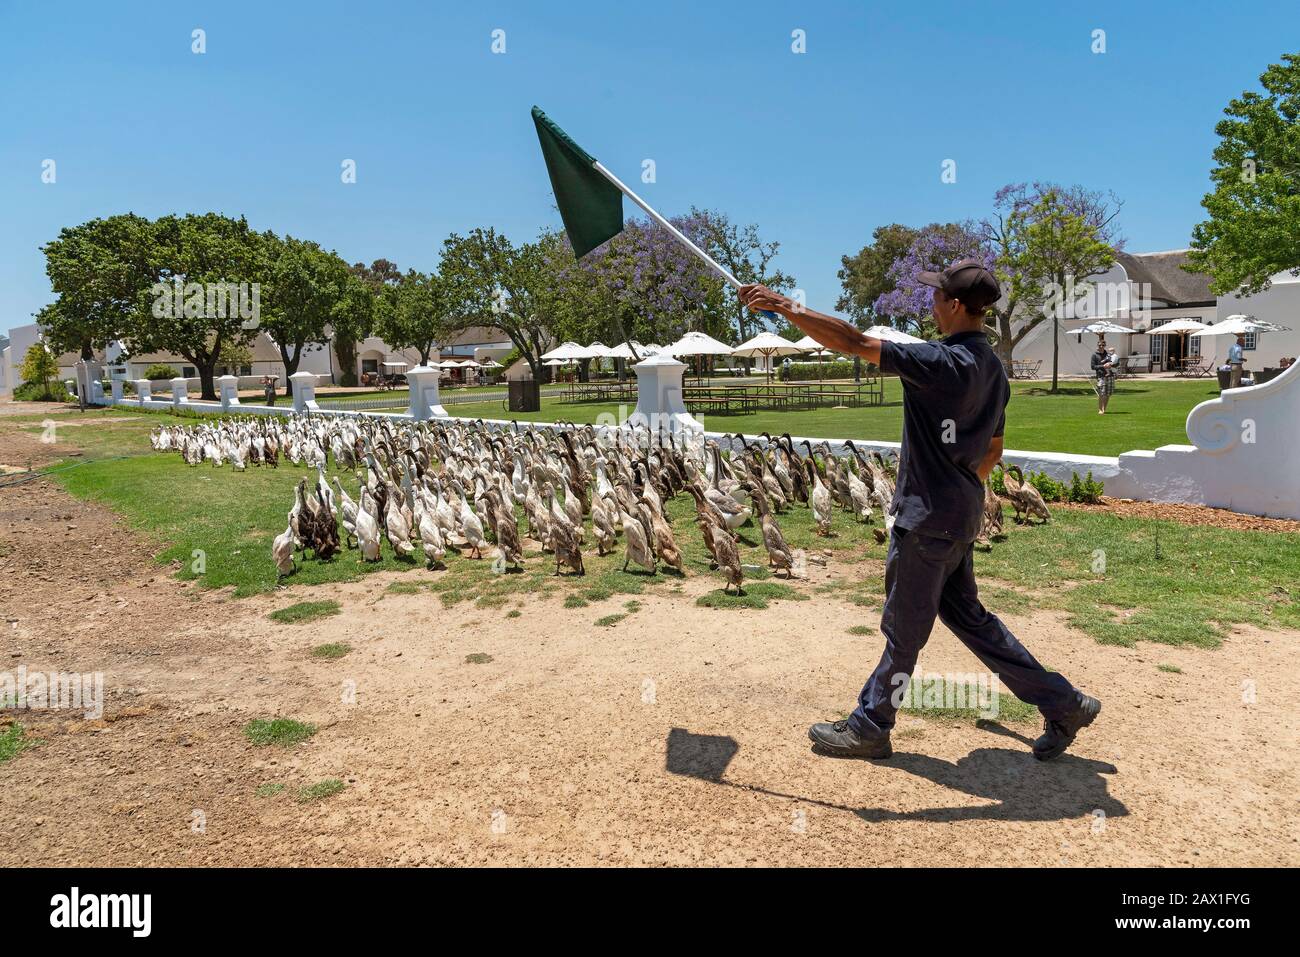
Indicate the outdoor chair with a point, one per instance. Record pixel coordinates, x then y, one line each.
1140 362
1199 368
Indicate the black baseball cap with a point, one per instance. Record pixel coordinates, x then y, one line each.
967 280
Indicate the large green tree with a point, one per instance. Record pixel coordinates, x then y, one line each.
355 313
865 277
192 260
1067 237
414 313
352 319
304 284
1254 227
492 282
99 271
578 305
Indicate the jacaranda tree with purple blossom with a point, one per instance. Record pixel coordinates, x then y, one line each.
656 290
907 305
1040 237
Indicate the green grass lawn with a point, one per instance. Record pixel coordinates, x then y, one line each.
1120 580
1142 415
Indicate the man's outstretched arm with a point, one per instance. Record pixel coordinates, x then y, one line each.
832 333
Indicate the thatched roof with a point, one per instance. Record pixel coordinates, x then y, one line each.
475 335
1169 282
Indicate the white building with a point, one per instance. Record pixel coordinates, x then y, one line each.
21 339
1146 290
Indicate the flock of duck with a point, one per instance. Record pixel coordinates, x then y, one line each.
430 487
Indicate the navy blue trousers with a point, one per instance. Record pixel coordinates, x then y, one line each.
928 577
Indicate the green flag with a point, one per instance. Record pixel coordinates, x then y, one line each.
590 205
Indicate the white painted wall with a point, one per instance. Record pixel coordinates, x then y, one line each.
1280 303
21 338
380 351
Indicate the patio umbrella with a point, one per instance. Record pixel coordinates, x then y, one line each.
1100 328
697 344
624 350
567 350
809 344
1239 326
1178 327
1103 326
766 344
890 334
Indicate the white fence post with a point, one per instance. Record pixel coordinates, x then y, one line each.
304 392
180 391
425 401
143 390
659 405
229 386
117 386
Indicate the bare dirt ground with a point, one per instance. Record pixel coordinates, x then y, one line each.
676 736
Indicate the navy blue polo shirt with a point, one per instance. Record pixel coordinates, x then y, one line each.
955 395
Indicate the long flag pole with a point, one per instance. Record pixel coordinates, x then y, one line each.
676 233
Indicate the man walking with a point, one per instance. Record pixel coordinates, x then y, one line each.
1236 360
955 393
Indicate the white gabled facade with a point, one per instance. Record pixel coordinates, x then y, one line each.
1146 290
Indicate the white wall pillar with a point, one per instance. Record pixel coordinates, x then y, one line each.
180 391
1244 454
143 390
228 385
659 404
89 387
117 386
304 392
425 400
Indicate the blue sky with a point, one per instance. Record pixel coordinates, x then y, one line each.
817 148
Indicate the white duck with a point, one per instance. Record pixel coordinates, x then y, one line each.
282 552
472 529
367 528
347 510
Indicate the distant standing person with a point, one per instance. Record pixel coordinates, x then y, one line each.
270 390
1236 360
1104 369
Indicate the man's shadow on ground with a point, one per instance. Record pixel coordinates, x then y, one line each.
1024 788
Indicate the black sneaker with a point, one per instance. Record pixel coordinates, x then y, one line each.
841 741
1058 735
